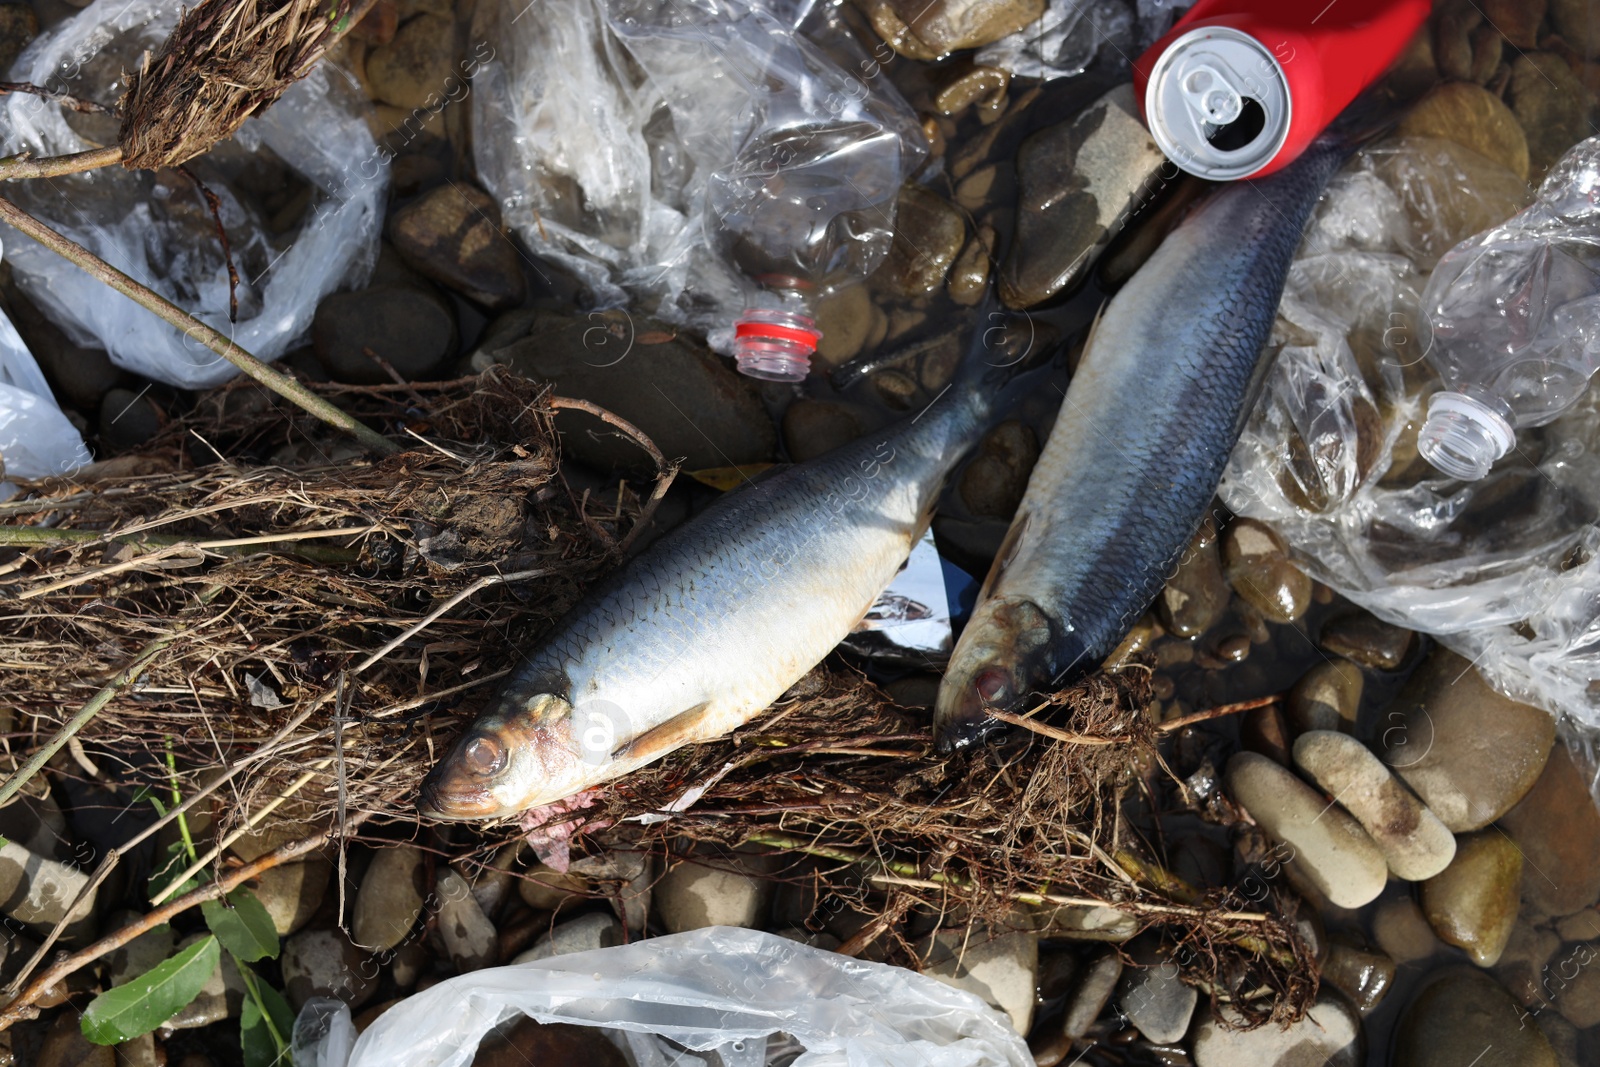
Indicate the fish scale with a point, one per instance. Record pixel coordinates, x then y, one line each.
717 619
1153 410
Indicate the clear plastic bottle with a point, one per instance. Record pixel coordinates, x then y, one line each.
805 208
1514 315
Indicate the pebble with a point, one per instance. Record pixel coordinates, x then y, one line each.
1363 975
1557 827
1078 182
848 319
1413 841
1577 1000
546 889
390 898
1327 697
1465 1017
1402 931
1091 994
1077 922
18 26
324 963
1574 20
65 1046
1196 596
414 69
1331 849
969 275
468 935
993 483
580 935
812 428
1002 970
528 1042
686 400
1330 1035
453 235
691 896
1468 752
1551 103
1522 967
128 419
292 892
138 1052
79 376
1256 562
1263 730
626 877
220 998
412 327
919 29
1453 24
1366 640
140 954
1155 999
1473 903
1563 1037
928 235
39 890
1517 20
1472 116
985 86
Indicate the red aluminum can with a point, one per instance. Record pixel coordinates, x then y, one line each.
1239 88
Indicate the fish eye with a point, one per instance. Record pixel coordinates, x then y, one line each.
991 686
483 756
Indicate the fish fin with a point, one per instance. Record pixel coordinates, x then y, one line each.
659 740
1094 326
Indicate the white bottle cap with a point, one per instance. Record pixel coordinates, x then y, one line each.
1463 436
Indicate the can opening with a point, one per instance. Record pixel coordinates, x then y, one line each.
1241 131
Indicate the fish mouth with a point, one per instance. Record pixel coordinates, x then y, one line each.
963 721
440 801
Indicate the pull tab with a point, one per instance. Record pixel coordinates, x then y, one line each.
1211 96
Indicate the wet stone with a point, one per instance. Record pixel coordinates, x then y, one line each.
1414 843
1573 984
1517 20
580 935
1263 730
18 26
1452 38
626 878
1575 21
1195 597
292 892
1473 903
1470 115
469 936
1468 752
39 890
1487 48
528 1042
323 963
415 69
65 1046
453 235
1363 975
691 896
1523 967
1327 697
682 397
140 954
984 86
969 276
1402 931
1155 1000
848 319
128 419
1256 562
547 889
1330 848
993 483
1552 106
1557 827
220 998
1464 1017
1366 640
1077 183
928 235
812 428
919 29
1562 1035
1329 1036
410 327
1001 970
1091 994
390 898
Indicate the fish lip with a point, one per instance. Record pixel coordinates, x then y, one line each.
435 801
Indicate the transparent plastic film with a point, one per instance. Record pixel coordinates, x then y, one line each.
309 148
36 439
1502 569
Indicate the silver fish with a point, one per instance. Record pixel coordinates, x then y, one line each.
1171 371
713 622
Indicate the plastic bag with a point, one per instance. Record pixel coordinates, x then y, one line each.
36 440
740 998
1064 40
1503 570
599 124
155 227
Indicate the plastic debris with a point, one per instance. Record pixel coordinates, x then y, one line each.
155 226
715 996
36 439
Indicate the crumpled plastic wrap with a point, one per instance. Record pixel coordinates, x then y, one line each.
597 125
1067 38
731 997
1503 570
36 440
155 226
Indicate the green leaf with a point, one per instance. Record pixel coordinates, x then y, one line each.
175 865
141 1004
242 925
264 1034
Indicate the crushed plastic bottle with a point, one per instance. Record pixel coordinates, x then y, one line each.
743 171
1515 319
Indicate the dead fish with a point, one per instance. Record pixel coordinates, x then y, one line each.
1169 374
713 622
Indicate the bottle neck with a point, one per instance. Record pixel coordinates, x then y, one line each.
775 342
1463 435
